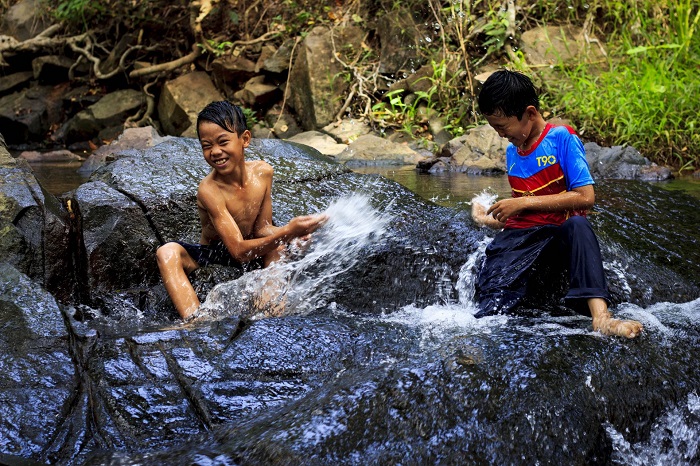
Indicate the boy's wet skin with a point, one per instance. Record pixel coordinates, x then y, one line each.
235 210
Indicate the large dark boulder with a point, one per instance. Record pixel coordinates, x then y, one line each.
38 380
34 228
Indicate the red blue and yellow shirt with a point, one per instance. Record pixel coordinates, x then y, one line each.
556 163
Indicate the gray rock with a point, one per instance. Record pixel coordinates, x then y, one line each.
23 20
279 61
131 138
228 72
316 85
347 130
256 93
24 115
624 163
374 150
182 99
281 126
39 378
35 228
319 141
118 241
111 110
551 45
479 151
15 81
51 69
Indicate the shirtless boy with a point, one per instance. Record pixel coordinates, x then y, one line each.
545 232
235 209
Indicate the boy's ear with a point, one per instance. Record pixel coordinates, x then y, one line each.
246 137
531 112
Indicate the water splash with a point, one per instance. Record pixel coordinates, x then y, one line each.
486 198
673 440
306 280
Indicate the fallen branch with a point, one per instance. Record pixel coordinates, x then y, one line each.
169 66
9 46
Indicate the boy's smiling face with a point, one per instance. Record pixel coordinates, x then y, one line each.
222 149
519 132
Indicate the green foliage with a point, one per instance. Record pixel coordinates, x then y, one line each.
251 118
102 14
648 97
77 11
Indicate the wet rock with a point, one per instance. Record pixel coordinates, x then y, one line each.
38 380
118 240
35 228
182 99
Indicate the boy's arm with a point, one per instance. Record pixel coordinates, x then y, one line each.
263 226
581 198
263 223
245 250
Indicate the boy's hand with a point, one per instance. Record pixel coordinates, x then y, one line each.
482 218
504 209
306 224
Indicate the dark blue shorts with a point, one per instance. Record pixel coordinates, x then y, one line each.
541 265
216 253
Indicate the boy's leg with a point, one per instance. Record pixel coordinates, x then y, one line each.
587 278
175 264
503 279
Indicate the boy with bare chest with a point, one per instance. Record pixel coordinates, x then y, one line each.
235 209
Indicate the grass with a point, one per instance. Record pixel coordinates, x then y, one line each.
648 96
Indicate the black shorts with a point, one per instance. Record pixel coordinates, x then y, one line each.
216 253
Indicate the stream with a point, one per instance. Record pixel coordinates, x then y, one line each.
362 349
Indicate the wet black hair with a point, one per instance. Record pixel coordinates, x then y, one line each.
223 113
508 93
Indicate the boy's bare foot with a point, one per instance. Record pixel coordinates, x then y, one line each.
605 324
622 328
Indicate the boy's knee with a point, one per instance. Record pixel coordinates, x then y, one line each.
167 253
577 223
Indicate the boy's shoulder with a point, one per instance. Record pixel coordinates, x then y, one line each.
561 130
